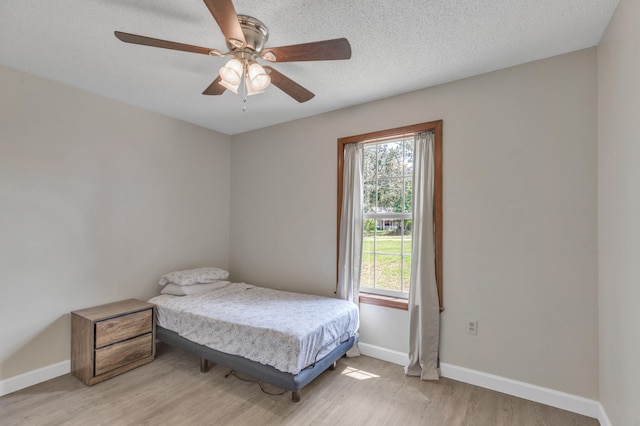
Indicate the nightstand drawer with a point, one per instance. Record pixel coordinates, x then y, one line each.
123 353
122 328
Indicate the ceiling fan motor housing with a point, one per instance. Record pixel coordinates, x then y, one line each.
255 33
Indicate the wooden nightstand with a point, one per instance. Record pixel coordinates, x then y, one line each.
110 339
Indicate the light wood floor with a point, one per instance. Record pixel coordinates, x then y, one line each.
361 391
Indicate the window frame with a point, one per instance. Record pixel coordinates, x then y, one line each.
390 134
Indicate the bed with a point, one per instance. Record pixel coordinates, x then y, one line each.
282 338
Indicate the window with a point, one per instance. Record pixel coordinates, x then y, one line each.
386 254
387 178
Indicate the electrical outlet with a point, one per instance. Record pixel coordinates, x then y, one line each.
472 327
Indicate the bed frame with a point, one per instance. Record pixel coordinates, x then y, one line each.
265 373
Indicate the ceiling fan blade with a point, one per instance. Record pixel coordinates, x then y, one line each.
289 86
225 15
214 88
155 42
326 50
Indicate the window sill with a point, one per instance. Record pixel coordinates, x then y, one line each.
386 301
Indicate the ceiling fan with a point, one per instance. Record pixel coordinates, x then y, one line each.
246 38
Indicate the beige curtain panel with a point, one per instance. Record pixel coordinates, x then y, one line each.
424 309
351 222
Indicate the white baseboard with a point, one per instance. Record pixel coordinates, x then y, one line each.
16 383
602 416
389 355
554 398
576 404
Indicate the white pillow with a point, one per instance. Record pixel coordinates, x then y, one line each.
185 290
194 276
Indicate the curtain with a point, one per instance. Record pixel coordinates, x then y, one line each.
351 222
424 309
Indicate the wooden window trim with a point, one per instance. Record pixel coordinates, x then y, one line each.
436 127
386 301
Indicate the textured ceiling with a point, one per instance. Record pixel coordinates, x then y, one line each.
397 47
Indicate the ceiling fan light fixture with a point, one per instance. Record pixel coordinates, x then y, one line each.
258 79
233 88
251 91
232 72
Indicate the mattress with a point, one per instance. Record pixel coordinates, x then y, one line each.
288 331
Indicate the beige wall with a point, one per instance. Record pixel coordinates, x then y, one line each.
619 214
520 202
97 200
